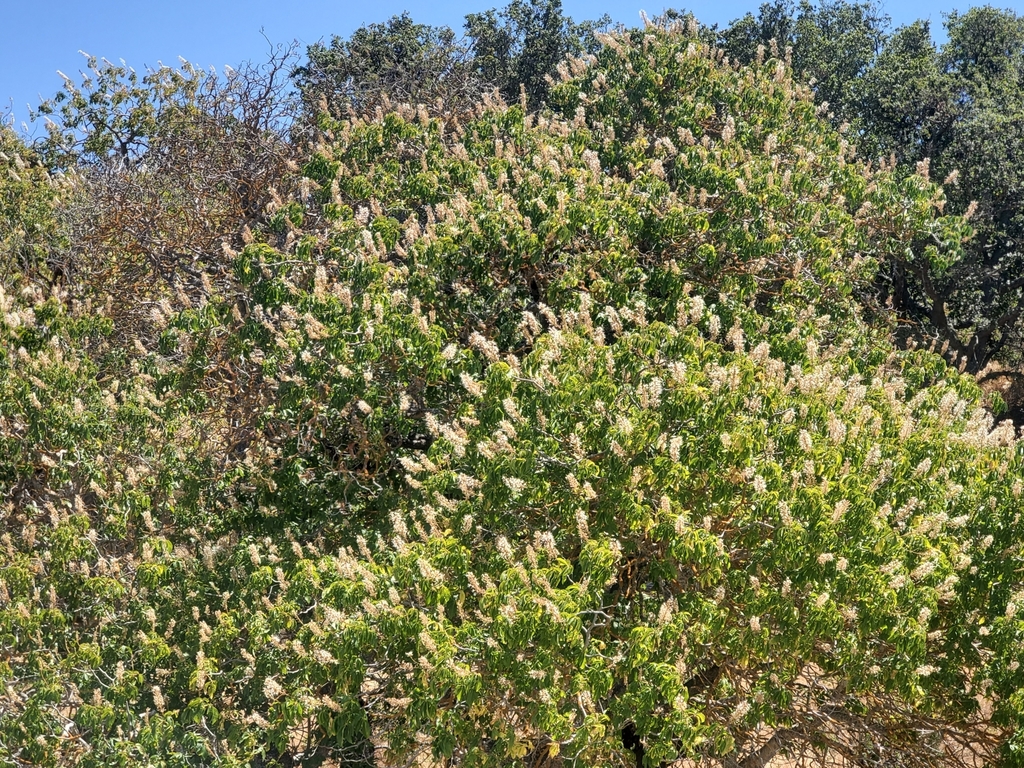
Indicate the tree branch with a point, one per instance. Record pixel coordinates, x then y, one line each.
767 752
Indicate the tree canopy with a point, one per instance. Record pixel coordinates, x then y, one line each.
525 437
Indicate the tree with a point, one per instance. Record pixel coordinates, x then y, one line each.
555 438
775 21
398 60
404 62
961 108
160 170
953 108
906 104
522 45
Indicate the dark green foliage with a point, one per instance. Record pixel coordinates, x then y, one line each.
521 46
905 101
401 61
963 108
985 51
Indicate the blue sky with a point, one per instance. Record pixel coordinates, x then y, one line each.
38 38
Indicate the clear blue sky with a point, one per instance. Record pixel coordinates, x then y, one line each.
39 37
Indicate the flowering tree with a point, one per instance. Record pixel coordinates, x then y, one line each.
953 110
541 439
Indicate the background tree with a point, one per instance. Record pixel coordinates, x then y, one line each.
773 21
399 60
984 59
905 98
833 43
161 169
404 62
961 104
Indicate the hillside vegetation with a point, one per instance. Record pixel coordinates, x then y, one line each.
495 436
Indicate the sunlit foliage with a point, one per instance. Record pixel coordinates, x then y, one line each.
552 438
